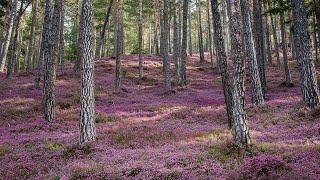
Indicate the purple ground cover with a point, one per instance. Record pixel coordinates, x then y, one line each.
145 134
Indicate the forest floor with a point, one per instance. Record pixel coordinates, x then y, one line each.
143 133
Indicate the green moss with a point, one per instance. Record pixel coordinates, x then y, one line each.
64 105
76 98
84 172
266 148
5 149
179 115
103 118
56 178
215 134
123 139
225 152
51 146
159 136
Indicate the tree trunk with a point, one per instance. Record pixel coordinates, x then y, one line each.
222 59
209 33
156 25
239 127
185 8
18 51
200 38
77 64
267 35
32 35
42 44
190 34
275 38
87 112
176 44
314 25
103 31
13 42
257 93
118 45
49 60
288 81
258 38
140 40
9 35
61 38
164 47
308 79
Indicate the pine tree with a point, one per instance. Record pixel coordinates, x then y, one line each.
9 35
164 46
103 31
308 79
259 39
200 38
176 44
118 43
239 126
288 81
140 33
185 9
222 59
257 93
32 35
87 113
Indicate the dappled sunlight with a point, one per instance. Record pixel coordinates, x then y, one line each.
141 130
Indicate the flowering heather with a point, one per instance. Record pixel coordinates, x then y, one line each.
144 134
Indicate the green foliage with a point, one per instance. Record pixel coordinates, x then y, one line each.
225 152
51 146
279 6
76 98
5 149
4 6
103 118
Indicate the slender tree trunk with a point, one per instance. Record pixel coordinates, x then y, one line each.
140 40
103 31
118 50
9 35
267 35
37 52
225 29
32 35
257 93
164 47
308 79
87 113
183 53
209 33
288 81
200 38
314 25
179 29
61 38
13 42
239 127
176 43
275 38
49 60
48 98
156 25
259 39
77 64
222 59
18 51
43 45
190 33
